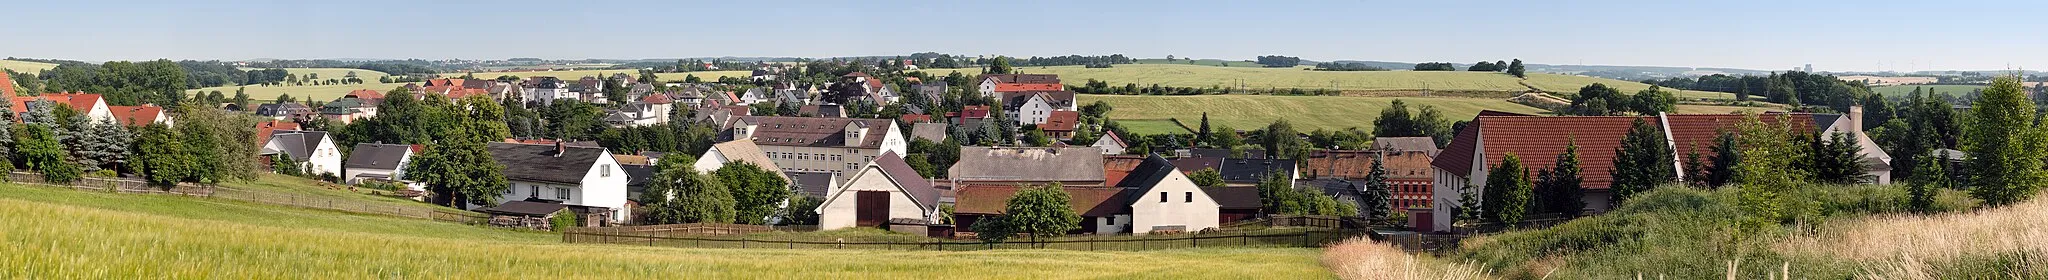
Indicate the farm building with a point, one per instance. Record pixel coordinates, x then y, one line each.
884 190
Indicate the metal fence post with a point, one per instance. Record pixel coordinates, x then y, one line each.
1244 239
1304 238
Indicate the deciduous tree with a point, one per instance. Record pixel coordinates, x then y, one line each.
756 192
2005 145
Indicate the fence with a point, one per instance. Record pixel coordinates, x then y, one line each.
1313 238
676 229
295 200
354 206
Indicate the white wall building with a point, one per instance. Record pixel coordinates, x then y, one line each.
838 145
586 178
884 190
1162 199
312 150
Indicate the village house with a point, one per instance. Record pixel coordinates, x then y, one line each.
838 145
1071 166
546 90
995 85
1034 107
347 109
378 162
141 115
969 116
314 151
587 180
651 109
1110 143
742 150
1539 139
1061 125
1163 200
89 104
885 191
932 90
284 111
1407 161
929 131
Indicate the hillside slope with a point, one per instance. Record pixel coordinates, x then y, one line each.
60 233
1306 113
1181 75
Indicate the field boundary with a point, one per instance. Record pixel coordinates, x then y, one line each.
123 185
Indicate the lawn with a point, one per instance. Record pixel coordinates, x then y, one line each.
1151 127
1182 75
1307 113
26 66
1951 90
61 233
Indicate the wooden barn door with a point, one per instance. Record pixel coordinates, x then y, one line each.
871 208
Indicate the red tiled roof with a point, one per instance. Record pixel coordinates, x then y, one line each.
1115 167
366 94
915 118
136 115
263 129
656 99
7 86
1538 140
1690 130
992 199
971 112
1061 121
78 101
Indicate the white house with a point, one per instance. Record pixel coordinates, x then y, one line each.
1034 107
587 179
742 150
884 190
546 90
1162 199
313 150
91 104
995 85
1110 143
377 162
838 145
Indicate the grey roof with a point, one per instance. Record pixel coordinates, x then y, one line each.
1192 164
1252 170
893 166
1235 197
636 177
814 184
1148 174
543 163
812 131
1423 144
936 132
1826 120
528 208
1029 164
376 156
1225 153
297 143
276 109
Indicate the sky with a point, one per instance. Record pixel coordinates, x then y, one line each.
1764 35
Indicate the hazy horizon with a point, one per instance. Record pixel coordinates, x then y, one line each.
1759 35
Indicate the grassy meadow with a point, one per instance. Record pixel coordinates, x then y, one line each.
1305 112
62 233
30 67
1684 233
322 92
579 74
333 73
1951 90
1183 75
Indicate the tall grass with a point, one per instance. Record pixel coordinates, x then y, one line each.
1362 258
1683 233
2007 242
61 234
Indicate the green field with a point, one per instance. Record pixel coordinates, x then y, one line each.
1153 126
1202 62
62 233
26 66
1181 75
1307 113
1952 90
578 74
322 93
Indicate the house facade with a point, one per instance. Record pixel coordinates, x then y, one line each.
314 151
377 162
994 85
587 179
1110 143
546 90
1162 200
837 145
1035 107
885 191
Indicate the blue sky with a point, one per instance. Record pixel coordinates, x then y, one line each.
1832 35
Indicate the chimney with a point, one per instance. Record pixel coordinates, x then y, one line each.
560 148
1855 119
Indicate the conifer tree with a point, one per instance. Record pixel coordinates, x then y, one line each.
1559 188
1378 194
1507 191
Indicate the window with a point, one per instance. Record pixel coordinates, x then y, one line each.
1191 196
532 191
562 193
1162 197
604 170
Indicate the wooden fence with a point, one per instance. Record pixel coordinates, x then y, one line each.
125 185
1313 238
676 229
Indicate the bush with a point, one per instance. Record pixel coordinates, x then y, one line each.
564 220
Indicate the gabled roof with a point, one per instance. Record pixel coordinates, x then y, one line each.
1062 121
1147 175
993 199
1538 140
814 184
813 132
376 156
298 144
1116 167
9 88
78 101
1192 164
744 150
263 129
1057 99
1422 144
936 132
970 112
544 163
1111 135
1073 164
896 171
915 118
1689 129
365 94
1252 170
1235 197
137 115
656 99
